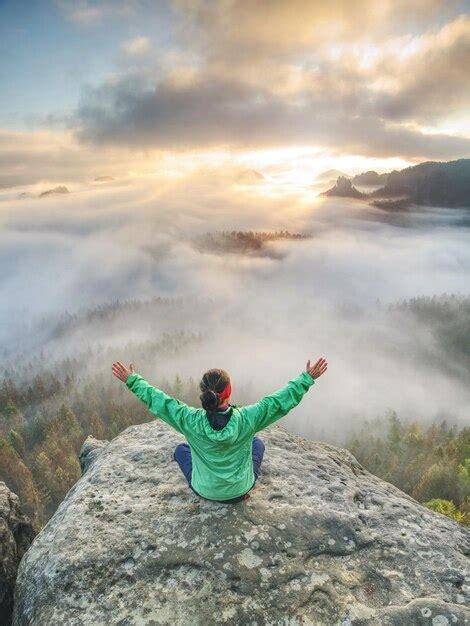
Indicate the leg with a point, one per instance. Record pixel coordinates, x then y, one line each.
257 454
182 455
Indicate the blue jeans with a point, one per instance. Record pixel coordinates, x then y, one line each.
182 455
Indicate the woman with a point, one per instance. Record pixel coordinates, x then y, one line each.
222 458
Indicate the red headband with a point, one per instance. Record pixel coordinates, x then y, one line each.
226 392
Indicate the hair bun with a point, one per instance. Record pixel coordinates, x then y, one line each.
212 385
210 399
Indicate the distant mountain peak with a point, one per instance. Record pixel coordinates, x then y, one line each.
370 177
54 190
344 189
250 176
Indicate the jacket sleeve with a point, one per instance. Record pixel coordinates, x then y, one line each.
170 410
271 408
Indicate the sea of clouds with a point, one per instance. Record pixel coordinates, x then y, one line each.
325 295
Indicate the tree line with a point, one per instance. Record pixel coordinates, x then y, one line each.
43 426
430 463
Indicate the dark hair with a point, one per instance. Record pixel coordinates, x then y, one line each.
213 382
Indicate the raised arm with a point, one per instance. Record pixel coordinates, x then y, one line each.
170 410
276 405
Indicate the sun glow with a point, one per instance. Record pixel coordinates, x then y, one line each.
283 169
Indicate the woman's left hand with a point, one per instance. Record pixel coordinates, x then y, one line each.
121 371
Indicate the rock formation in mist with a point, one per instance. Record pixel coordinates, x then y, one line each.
344 189
56 190
16 535
103 179
320 541
370 178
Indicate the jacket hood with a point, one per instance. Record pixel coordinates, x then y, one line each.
222 426
219 418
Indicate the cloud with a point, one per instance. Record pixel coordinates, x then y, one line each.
27 158
432 81
138 46
236 29
308 75
211 112
91 12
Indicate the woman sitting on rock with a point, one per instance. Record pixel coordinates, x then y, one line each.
222 458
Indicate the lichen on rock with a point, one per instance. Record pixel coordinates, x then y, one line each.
321 541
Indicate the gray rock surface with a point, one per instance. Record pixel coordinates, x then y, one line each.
90 451
16 535
320 541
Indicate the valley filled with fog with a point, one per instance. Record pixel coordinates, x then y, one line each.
115 267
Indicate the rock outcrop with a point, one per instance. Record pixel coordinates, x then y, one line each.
320 541
344 189
16 535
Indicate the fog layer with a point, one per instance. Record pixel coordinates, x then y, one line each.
261 316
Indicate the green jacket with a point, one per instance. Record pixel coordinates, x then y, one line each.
222 459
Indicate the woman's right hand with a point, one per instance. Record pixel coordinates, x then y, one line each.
318 369
121 371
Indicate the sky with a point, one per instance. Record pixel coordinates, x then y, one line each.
128 87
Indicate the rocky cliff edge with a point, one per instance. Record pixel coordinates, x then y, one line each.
320 541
